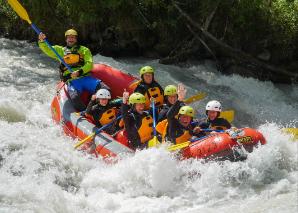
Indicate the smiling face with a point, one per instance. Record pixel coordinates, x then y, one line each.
103 101
71 40
148 78
139 108
172 99
212 115
184 120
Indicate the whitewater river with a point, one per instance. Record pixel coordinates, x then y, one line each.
41 172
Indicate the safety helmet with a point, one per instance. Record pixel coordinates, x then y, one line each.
103 93
146 69
71 32
170 90
187 110
136 98
213 106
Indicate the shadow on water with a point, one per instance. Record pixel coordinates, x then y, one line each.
11 115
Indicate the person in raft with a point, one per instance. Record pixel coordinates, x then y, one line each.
137 123
180 127
149 87
213 121
104 110
79 58
171 96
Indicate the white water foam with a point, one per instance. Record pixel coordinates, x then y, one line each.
41 172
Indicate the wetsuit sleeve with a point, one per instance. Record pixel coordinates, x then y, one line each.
88 60
44 47
225 123
89 109
160 87
116 102
163 114
173 111
141 88
130 127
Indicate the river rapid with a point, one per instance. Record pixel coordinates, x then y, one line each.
41 172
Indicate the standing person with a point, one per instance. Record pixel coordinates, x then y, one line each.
79 58
180 127
149 87
104 110
213 121
138 123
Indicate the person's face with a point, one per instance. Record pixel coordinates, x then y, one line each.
172 99
71 40
212 115
148 77
184 120
103 101
140 108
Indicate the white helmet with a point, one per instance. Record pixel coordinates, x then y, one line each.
213 106
103 93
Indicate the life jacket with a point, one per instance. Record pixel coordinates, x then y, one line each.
145 130
108 116
72 57
156 94
184 137
162 128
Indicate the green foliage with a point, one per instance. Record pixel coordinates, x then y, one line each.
152 23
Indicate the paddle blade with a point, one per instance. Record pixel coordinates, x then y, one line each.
134 84
228 115
178 146
153 142
19 9
84 140
293 131
194 98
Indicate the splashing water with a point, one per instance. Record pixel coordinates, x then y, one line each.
40 171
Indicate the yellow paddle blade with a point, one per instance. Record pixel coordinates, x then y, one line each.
178 146
153 142
194 98
293 131
19 9
134 84
84 140
228 115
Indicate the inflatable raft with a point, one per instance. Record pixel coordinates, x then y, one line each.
215 145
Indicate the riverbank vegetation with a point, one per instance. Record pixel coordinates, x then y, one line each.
256 38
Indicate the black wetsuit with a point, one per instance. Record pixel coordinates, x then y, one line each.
96 111
133 121
175 128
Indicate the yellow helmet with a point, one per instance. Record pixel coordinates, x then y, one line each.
170 90
136 98
187 110
71 32
146 69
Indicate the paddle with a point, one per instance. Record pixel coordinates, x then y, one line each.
21 11
154 141
96 132
228 115
293 131
187 143
195 98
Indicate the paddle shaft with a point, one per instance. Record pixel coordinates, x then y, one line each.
96 132
35 28
22 12
154 117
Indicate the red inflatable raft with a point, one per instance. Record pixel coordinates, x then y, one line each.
215 145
